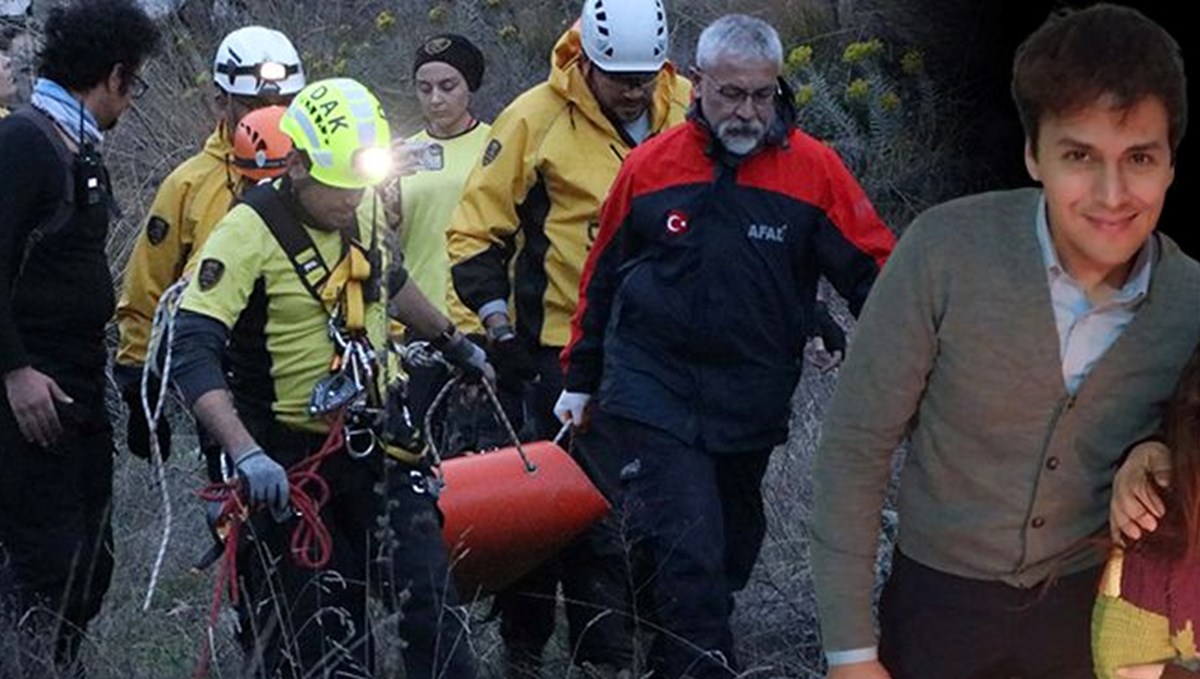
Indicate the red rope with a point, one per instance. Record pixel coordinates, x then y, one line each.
311 542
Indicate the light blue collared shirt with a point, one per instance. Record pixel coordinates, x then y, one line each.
1086 329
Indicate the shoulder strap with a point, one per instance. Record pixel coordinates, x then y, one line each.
48 128
290 233
62 211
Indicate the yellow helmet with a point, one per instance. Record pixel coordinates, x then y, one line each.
341 126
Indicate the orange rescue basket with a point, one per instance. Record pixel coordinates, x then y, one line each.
508 510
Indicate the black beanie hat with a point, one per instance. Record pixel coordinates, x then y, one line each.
455 50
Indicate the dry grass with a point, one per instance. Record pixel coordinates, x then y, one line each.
373 40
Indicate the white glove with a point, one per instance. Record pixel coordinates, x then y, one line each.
570 406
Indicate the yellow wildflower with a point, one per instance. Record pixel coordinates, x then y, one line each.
385 21
804 94
913 62
860 51
800 57
857 90
508 32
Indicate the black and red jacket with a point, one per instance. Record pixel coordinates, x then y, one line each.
699 292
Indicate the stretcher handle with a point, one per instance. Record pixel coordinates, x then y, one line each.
562 433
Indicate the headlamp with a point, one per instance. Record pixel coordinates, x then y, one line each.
373 164
267 75
271 71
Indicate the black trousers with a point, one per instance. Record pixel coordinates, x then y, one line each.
940 626
697 523
302 622
56 542
419 584
592 570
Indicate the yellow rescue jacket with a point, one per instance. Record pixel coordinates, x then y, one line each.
537 192
188 205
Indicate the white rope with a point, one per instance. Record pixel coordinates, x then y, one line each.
163 326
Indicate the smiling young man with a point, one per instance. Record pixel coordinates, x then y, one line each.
1023 340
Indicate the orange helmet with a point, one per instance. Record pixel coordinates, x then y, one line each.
260 149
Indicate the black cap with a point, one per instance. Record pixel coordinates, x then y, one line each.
455 50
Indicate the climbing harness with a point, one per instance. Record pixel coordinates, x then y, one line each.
348 398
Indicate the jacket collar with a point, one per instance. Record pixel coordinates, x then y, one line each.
220 143
567 80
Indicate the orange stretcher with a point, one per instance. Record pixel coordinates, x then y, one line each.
506 512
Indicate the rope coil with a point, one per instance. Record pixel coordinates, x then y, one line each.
311 543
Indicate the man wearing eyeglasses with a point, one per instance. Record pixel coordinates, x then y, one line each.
694 308
535 195
56 451
254 67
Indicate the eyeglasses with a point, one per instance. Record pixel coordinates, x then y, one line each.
629 81
732 95
137 86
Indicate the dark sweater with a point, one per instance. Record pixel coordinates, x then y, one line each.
53 317
957 347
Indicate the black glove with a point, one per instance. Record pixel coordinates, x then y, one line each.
513 363
467 356
137 429
828 330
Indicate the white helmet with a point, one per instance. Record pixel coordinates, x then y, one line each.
625 36
255 61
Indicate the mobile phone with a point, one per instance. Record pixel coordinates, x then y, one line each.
429 155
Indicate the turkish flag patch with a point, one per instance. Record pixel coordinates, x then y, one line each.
677 223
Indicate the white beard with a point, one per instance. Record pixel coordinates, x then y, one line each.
740 143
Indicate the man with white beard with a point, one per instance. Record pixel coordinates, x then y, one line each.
695 303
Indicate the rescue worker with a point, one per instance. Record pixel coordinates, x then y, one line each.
447 70
294 280
552 155
253 67
55 300
694 309
260 148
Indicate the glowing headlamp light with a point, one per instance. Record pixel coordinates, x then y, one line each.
373 164
272 71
